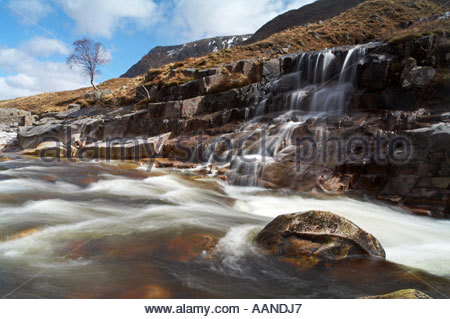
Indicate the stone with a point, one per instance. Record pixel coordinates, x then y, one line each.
271 68
73 106
188 247
10 117
318 234
127 148
402 294
419 76
98 95
23 233
47 149
208 72
32 136
191 107
287 62
71 112
389 13
374 77
399 185
148 292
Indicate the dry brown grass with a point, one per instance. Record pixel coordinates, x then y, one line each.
58 101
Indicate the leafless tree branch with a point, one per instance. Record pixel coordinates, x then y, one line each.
88 56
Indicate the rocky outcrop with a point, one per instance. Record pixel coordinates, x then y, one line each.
15 117
402 294
320 235
159 56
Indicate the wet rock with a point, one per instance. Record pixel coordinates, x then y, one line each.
189 247
419 76
375 75
318 234
402 294
148 292
47 149
23 233
121 149
31 136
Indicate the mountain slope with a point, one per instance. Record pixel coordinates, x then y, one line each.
313 12
160 55
319 10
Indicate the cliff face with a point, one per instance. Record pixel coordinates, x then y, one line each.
319 10
159 56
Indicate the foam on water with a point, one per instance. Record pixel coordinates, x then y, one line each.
117 207
414 241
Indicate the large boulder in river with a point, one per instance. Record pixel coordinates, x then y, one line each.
320 235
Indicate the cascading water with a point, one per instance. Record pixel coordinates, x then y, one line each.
321 84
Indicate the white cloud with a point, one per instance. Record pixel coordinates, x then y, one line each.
45 47
103 17
29 76
30 11
204 18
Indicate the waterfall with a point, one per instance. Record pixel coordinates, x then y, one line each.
319 84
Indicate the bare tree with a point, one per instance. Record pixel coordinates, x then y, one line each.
88 55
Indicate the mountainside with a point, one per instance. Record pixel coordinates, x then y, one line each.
319 10
161 55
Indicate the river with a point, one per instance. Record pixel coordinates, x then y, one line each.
114 230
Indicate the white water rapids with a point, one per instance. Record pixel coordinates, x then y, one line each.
79 202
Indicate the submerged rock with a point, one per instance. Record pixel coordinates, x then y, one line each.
320 235
402 294
148 292
23 233
188 247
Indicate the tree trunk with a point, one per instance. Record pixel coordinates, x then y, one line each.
92 83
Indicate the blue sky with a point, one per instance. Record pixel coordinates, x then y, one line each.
36 35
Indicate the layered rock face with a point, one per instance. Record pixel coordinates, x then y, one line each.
374 116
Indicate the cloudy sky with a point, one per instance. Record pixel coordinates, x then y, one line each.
36 35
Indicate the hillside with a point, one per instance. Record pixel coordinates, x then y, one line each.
123 92
161 55
371 20
319 10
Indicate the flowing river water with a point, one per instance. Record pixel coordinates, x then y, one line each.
112 230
